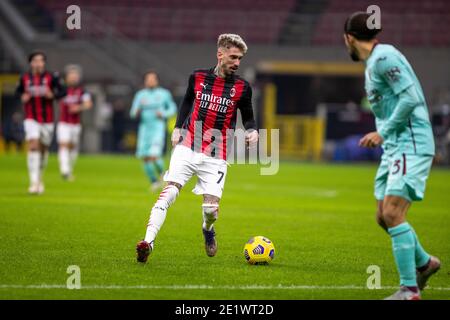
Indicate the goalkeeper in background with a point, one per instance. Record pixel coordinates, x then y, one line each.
153 105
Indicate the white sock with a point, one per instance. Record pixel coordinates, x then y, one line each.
43 163
159 210
73 158
33 161
210 213
64 160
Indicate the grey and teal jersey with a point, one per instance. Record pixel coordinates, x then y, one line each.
153 106
150 102
398 103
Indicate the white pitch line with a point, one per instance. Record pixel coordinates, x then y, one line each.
315 192
204 287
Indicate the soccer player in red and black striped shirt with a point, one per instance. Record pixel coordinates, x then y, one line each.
38 89
205 124
76 101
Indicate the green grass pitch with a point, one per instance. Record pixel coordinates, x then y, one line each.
320 217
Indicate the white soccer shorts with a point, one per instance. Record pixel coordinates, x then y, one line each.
68 133
38 131
211 172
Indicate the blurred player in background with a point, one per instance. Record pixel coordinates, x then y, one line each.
153 105
38 89
76 101
404 131
208 110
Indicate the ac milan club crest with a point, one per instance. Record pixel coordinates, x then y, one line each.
232 92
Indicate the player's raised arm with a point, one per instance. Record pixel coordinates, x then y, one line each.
392 71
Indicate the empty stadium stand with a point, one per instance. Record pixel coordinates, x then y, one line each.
405 22
259 21
285 22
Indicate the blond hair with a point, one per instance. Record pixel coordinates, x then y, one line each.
73 68
228 40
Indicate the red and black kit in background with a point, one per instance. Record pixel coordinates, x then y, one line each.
40 108
74 96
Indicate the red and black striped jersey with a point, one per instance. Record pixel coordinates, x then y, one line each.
209 110
75 95
40 108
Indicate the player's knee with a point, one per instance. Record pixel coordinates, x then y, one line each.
380 220
179 186
43 147
379 215
33 145
210 211
150 159
391 213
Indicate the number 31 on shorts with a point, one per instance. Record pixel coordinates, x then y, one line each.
399 165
